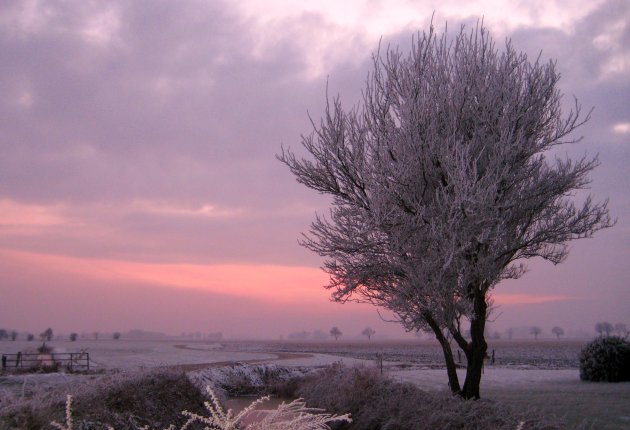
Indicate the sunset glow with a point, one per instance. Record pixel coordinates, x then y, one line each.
526 299
276 284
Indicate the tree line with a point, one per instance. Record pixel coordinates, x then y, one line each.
48 335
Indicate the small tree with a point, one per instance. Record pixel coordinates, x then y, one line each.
441 186
621 330
95 334
3 334
46 335
116 335
73 337
30 337
558 331
335 332
535 331
604 328
14 334
369 332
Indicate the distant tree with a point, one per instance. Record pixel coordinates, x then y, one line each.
604 328
3 334
73 337
30 337
14 334
510 333
558 331
621 330
95 334
46 334
535 331
369 332
116 335
335 332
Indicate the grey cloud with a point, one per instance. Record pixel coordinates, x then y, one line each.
179 81
178 107
581 62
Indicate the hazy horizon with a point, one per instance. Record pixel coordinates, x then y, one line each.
138 182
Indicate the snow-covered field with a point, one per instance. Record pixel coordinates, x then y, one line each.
517 363
542 374
132 354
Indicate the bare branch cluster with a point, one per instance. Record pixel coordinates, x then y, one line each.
442 182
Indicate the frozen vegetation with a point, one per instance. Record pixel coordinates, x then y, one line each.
288 370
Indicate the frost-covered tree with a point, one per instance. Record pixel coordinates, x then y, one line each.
335 332
535 331
558 331
604 328
368 332
621 330
442 183
46 335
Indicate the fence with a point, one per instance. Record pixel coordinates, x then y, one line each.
70 360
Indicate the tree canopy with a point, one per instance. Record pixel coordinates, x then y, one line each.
442 183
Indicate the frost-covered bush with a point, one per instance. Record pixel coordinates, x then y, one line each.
606 359
125 401
377 402
154 399
288 416
242 379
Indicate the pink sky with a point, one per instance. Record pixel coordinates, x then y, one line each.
138 181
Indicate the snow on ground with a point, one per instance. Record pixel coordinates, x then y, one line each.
493 377
136 354
321 360
429 377
133 354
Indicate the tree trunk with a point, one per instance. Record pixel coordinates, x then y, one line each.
478 347
451 367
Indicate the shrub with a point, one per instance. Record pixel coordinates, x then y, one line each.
240 379
376 402
606 359
123 401
288 416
